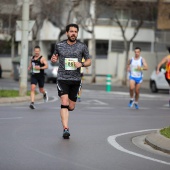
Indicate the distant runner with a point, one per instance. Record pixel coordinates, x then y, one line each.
166 61
135 67
37 66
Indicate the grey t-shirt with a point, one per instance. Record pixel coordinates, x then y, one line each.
67 55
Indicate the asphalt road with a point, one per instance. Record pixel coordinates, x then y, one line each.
103 130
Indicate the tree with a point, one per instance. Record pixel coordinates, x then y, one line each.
58 12
9 12
130 9
53 12
86 17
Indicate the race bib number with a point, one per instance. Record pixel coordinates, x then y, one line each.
69 63
34 70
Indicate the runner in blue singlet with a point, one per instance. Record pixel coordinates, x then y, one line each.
135 67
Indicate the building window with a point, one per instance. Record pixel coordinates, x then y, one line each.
117 46
160 47
101 48
145 46
5 49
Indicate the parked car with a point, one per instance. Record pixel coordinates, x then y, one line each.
51 72
158 81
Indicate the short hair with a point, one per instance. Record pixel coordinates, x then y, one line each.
137 48
37 46
72 25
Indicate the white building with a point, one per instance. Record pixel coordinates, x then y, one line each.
110 53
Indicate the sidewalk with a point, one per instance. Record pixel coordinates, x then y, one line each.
4 100
158 142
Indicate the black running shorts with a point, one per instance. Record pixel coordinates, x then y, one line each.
68 87
37 79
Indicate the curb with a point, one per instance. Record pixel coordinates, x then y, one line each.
4 100
158 141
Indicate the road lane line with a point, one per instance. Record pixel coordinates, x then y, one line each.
112 141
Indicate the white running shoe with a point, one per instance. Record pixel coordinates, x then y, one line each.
45 97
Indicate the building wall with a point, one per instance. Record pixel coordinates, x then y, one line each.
114 63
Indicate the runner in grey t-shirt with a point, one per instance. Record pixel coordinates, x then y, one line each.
70 53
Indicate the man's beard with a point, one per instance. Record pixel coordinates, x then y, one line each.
72 40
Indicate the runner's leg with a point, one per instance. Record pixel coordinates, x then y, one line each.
64 113
131 88
33 87
137 91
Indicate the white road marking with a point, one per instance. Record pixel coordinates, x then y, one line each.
142 95
94 102
112 141
166 105
50 101
99 108
10 118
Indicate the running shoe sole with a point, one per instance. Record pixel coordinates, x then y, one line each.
136 107
66 135
32 107
46 98
131 105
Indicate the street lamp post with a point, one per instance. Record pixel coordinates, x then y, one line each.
24 48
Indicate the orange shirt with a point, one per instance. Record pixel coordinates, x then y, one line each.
167 74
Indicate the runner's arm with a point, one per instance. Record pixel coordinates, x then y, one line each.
87 62
44 61
128 65
164 60
54 58
30 65
145 65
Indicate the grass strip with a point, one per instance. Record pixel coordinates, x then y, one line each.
11 93
165 132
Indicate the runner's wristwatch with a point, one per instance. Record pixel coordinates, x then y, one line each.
82 63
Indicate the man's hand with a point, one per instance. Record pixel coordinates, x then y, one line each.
37 67
54 58
139 68
29 68
77 64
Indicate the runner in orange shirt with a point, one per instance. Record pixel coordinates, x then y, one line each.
166 61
